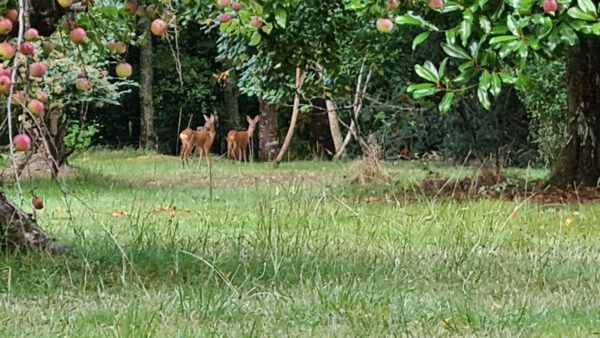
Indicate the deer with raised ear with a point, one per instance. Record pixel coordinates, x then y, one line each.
237 141
202 139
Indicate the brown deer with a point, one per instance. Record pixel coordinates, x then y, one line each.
237 141
202 139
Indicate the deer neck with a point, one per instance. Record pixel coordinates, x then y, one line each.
250 131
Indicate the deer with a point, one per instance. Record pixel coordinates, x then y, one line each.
237 141
202 139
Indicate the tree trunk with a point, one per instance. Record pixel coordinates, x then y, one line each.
295 111
147 134
334 127
231 119
579 161
20 230
268 132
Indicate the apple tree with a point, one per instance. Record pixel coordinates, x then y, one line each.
488 43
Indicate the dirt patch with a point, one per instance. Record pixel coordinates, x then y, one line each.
488 185
33 167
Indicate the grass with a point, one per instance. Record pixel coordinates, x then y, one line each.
286 253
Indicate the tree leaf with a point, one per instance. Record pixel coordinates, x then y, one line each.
425 73
577 13
503 38
255 38
496 85
587 6
422 90
485 24
512 25
465 31
280 17
483 97
485 80
417 86
455 51
420 39
568 35
413 19
446 102
442 71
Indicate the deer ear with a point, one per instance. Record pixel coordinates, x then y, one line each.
257 118
205 117
248 118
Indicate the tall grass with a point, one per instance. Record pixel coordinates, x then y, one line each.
287 253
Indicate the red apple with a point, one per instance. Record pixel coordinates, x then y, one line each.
224 3
22 142
384 25
124 69
12 14
236 6
82 84
393 4
19 97
37 69
130 6
38 202
121 47
42 96
5 26
225 18
6 71
7 50
36 107
159 27
78 35
27 48
4 84
550 6
65 3
31 34
256 21
436 4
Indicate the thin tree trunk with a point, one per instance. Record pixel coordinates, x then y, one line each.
231 94
358 101
334 127
147 133
295 111
579 161
268 132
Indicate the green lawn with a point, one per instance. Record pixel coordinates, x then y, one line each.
287 253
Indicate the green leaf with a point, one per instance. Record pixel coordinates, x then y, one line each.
496 85
483 97
450 6
422 90
465 27
508 47
503 38
596 28
568 35
507 78
446 102
499 30
451 36
512 25
280 17
417 86
426 73
420 39
485 24
255 38
455 51
413 19
431 68
466 73
587 6
443 68
485 80
267 28
577 13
